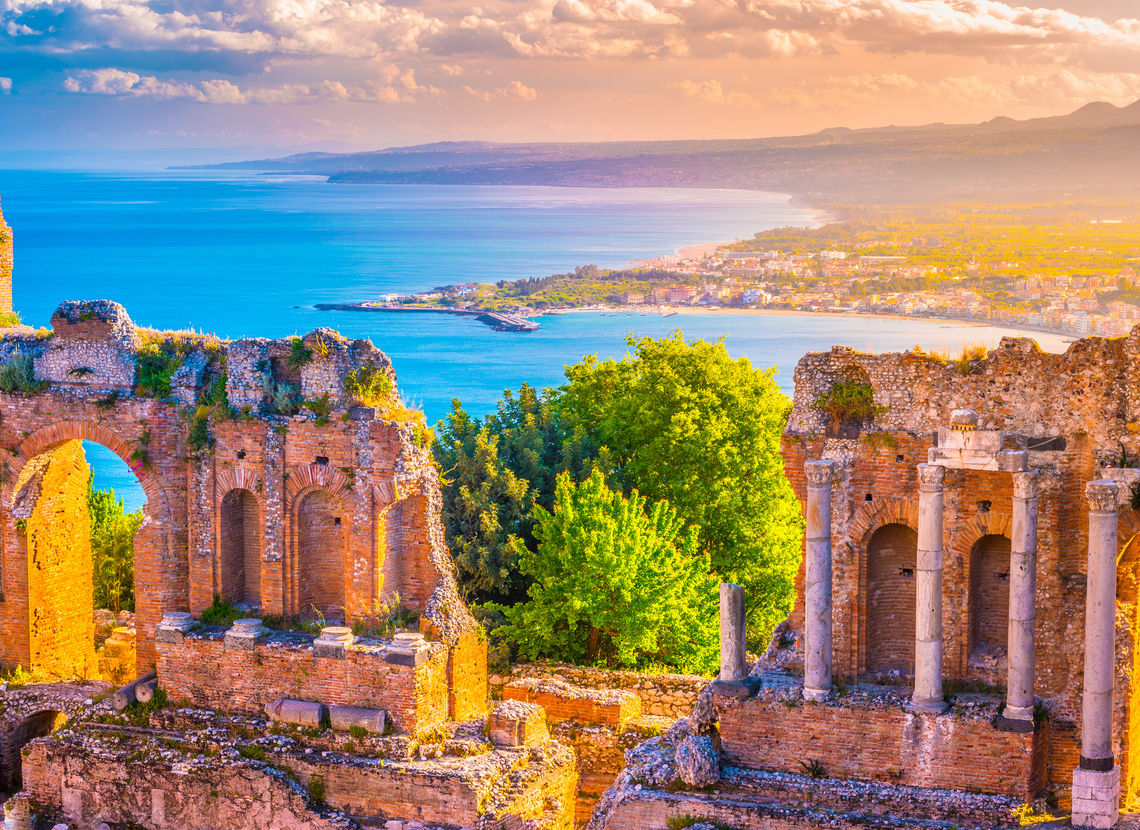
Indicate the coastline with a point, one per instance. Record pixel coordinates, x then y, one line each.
734 312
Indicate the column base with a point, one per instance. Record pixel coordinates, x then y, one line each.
1096 798
743 689
934 706
1015 719
817 695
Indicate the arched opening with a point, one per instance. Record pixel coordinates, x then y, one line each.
239 535
321 553
30 728
989 599
77 536
891 556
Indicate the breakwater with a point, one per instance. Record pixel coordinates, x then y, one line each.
495 319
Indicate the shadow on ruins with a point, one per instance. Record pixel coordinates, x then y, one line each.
963 643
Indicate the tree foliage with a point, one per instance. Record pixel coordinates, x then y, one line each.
112 549
677 421
687 423
495 471
613 584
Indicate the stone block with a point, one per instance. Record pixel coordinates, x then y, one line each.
515 723
333 642
244 635
1096 798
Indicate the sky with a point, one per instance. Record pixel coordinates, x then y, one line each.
348 74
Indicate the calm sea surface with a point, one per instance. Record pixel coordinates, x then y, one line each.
240 254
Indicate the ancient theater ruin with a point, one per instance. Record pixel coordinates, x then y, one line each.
283 478
964 644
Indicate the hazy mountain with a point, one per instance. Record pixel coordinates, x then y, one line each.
1092 152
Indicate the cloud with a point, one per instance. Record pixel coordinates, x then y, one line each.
516 90
579 29
5 86
392 86
713 92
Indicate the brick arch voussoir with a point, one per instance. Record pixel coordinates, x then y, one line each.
238 478
307 477
47 438
871 517
990 523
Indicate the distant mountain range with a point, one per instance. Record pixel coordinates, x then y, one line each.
1091 153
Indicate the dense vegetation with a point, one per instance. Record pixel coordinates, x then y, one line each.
611 582
688 429
112 549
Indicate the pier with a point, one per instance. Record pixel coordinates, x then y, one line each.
498 320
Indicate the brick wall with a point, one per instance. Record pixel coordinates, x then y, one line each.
300 475
5 265
57 537
202 671
883 742
467 677
562 701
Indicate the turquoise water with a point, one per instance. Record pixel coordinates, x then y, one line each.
239 254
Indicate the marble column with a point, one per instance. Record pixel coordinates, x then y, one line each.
817 582
1022 600
1096 782
733 634
927 696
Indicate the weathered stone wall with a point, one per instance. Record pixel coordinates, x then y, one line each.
202 671
662 695
868 739
611 707
33 711
1076 413
370 468
87 790
6 265
54 529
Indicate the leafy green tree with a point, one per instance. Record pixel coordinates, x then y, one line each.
686 423
615 585
494 472
112 549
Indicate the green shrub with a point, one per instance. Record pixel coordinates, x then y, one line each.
316 788
18 375
850 402
9 318
368 386
221 612
252 752
299 355
321 407
156 366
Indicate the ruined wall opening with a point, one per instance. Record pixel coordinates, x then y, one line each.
239 536
989 598
77 538
891 557
321 554
30 728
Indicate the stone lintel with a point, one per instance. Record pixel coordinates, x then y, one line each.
407 656
978 440
1010 461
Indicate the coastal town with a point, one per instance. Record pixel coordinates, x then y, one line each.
992 273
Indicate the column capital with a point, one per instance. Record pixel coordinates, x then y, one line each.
931 477
1101 496
1025 485
819 473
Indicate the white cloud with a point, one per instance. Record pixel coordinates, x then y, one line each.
5 86
516 90
713 92
393 86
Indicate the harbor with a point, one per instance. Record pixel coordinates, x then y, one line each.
498 320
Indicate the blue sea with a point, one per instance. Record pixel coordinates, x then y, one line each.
240 254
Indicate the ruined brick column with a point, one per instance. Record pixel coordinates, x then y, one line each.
927 695
1022 600
817 582
1096 782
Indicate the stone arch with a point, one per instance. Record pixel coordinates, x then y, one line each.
890 560
237 478
319 569
239 547
302 478
36 725
161 574
988 601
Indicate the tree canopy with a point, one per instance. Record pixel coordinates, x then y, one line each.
614 584
112 549
678 421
